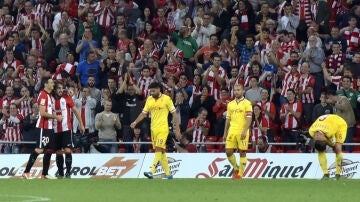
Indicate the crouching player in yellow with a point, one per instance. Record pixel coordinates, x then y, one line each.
236 133
329 130
159 105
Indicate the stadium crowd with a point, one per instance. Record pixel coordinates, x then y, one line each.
297 59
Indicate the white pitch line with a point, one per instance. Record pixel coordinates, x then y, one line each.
23 198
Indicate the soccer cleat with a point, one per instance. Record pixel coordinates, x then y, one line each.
59 176
236 175
27 176
49 177
325 177
67 175
148 175
337 177
168 177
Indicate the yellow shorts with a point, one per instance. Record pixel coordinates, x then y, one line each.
233 141
341 135
158 138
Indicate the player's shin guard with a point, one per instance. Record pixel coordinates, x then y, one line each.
60 164
232 160
68 161
323 162
339 157
46 161
165 164
243 161
158 156
32 159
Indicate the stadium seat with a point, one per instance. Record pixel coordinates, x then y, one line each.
211 138
356 139
121 150
210 146
251 150
293 151
220 147
357 130
211 150
279 151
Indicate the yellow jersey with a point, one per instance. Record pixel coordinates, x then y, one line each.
333 126
237 113
159 109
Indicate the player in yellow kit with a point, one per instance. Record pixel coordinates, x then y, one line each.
329 130
159 105
236 133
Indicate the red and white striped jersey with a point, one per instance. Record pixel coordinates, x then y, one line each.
290 46
37 44
63 107
214 85
143 84
280 10
42 11
198 134
106 17
334 61
291 80
195 92
303 11
337 81
152 53
6 29
307 81
172 68
25 107
233 61
45 100
245 69
270 107
255 129
15 63
290 121
122 45
25 18
67 67
94 7
352 38
13 128
5 101
7 81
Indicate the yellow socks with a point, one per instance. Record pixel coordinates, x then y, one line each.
158 156
232 160
323 162
243 161
339 157
165 164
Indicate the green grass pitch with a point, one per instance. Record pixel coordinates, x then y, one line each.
184 190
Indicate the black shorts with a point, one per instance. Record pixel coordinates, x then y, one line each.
64 140
46 139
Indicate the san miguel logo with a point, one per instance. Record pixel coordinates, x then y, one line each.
174 168
348 168
256 168
114 168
